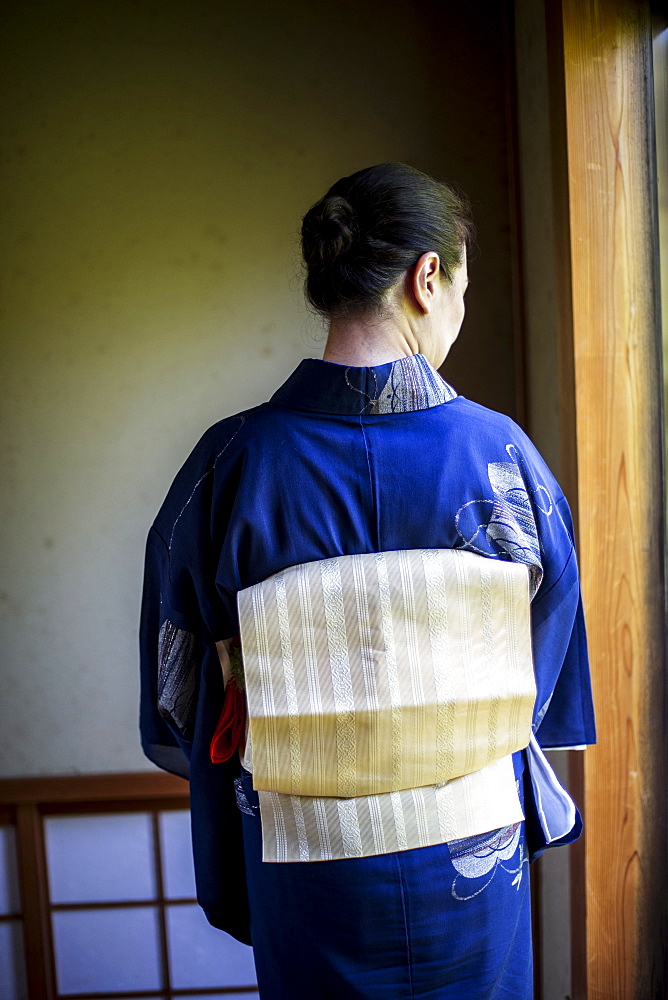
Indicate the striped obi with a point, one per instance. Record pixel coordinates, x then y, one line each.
386 694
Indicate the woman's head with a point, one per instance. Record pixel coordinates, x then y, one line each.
370 228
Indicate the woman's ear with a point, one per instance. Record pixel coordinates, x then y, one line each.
425 278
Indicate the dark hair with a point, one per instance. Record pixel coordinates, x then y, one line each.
373 225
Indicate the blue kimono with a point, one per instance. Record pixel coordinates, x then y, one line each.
346 460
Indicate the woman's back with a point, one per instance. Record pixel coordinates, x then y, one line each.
297 480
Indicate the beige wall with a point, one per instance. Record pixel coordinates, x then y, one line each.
159 156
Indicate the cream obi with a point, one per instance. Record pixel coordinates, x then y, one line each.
386 693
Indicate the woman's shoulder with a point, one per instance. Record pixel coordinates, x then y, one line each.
485 422
229 435
490 432
219 445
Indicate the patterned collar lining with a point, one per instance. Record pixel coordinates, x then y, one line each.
398 387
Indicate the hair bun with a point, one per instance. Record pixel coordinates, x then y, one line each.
329 230
369 228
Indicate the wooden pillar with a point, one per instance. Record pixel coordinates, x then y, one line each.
38 942
613 333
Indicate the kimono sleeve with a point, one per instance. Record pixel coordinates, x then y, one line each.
182 617
184 612
564 711
564 705
169 664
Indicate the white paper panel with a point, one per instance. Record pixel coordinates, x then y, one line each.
12 962
100 858
177 858
104 950
10 901
203 956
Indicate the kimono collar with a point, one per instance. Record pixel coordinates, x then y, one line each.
398 387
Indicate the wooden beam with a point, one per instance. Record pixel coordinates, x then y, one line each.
93 787
617 373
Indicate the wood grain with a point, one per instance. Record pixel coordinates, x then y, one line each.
616 354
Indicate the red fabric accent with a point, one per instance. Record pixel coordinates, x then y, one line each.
231 728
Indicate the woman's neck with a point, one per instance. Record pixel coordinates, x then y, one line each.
364 344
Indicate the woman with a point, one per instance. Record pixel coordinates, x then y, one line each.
372 884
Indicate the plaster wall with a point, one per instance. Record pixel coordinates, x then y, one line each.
157 159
